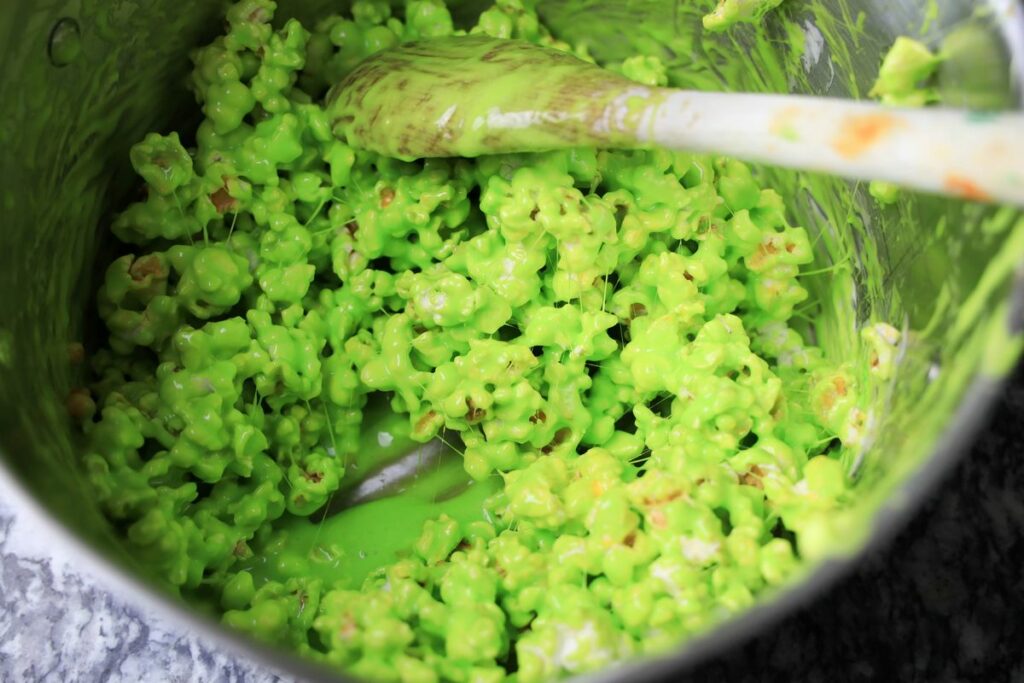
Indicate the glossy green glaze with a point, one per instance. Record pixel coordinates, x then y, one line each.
478 95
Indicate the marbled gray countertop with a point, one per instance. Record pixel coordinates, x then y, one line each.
58 624
943 603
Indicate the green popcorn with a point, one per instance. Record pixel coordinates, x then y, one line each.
633 605
350 43
274 145
361 630
482 458
212 278
673 575
743 546
219 153
572 558
441 298
645 179
340 158
351 308
579 336
159 217
883 343
508 269
405 216
611 521
293 368
282 58
267 620
466 584
732 405
346 260
779 253
286 242
772 458
778 563
730 12
272 204
438 540
427 19
736 185
199 407
227 104
162 162
161 539
885 193
518 563
572 638
596 472
533 201
905 71
238 592
663 294
489 386
569 417
150 327
510 19
370 12
611 395
249 24
533 492
777 341
279 612
415 670
610 331
251 502
825 478
283 273
586 242
343 389
215 341
476 633
645 69
729 590
392 369
309 188
133 301
215 64
833 397
313 482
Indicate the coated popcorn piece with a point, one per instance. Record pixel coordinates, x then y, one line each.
730 12
293 368
413 219
907 65
441 298
135 304
211 279
162 162
509 269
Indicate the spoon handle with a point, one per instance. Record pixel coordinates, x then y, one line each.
973 155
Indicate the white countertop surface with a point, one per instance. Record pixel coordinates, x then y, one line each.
58 623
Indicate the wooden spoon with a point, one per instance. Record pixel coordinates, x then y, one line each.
474 95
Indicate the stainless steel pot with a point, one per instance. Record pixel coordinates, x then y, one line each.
85 79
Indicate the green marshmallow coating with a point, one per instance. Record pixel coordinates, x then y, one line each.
611 334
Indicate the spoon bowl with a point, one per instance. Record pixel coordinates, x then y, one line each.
473 95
